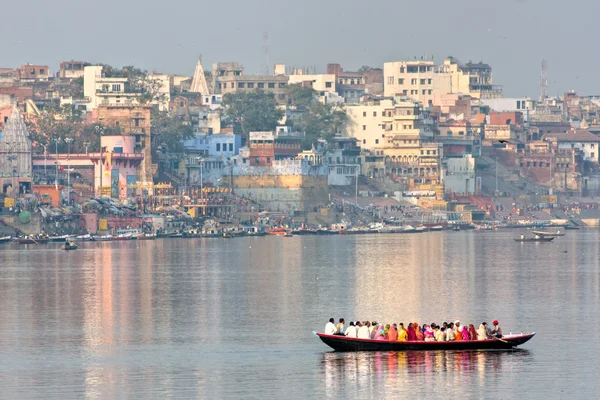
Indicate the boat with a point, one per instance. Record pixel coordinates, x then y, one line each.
103 238
124 236
69 246
278 231
343 343
535 239
227 235
572 227
146 236
546 233
6 239
32 240
436 228
82 238
58 239
288 234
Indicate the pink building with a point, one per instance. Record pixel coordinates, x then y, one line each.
118 169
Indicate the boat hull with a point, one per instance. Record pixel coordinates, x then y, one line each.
541 239
342 343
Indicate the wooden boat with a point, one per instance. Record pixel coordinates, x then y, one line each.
58 239
572 227
146 236
533 239
103 238
31 240
343 343
69 246
227 235
6 239
278 231
546 233
82 238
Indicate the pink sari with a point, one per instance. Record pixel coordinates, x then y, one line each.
411 333
465 333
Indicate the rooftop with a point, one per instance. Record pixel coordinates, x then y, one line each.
575 135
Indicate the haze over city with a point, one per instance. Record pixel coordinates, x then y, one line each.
513 36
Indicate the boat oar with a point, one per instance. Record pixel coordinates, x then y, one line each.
502 340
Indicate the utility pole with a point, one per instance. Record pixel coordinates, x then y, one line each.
56 140
496 176
356 189
69 141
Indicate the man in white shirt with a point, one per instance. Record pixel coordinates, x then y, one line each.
363 332
330 327
351 331
450 332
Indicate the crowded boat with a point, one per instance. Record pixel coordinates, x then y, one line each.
414 332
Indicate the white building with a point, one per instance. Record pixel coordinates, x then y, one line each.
580 139
524 105
458 174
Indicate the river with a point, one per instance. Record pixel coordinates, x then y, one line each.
232 318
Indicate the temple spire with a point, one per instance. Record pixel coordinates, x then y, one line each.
199 81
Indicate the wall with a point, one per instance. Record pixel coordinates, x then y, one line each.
320 82
365 123
459 175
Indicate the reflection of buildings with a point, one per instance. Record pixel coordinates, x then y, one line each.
15 155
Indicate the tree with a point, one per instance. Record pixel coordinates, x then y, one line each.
321 121
251 111
169 131
365 68
299 96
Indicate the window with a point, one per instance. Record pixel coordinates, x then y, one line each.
256 160
402 69
250 85
261 85
230 146
413 81
268 160
281 96
461 132
241 85
271 85
423 91
592 155
423 81
364 140
218 146
429 91
421 152
400 81
404 92
364 113
374 113
328 84
281 85
181 103
390 80
42 71
224 85
364 127
376 141
429 81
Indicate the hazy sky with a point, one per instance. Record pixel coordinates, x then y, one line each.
167 36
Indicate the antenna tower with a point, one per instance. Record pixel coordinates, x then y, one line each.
543 81
266 51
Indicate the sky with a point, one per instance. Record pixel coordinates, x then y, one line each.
168 36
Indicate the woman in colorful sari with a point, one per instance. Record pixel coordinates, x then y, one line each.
410 330
402 334
429 334
418 332
386 331
482 332
393 333
380 333
465 333
472 332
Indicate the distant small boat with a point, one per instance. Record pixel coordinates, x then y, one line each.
146 236
6 239
30 240
69 246
227 235
545 233
103 238
572 227
533 239
436 228
58 239
82 238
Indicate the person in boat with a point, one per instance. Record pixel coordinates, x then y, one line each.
386 331
410 331
373 329
339 328
429 337
380 333
402 334
522 237
438 334
457 330
393 333
465 333
351 331
419 332
450 336
472 332
482 332
363 331
496 330
330 327
537 236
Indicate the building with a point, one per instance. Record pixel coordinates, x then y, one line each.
320 83
262 150
471 79
15 156
134 120
116 168
229 78
33 73
71 69
353 85
287 144
99 89
579 139
418 80
524 105
366 122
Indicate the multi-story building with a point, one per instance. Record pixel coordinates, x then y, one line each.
33 73
320 83
229 78
366 122
352 85
580 139
472 79
99 89
134 120
262 150
287 144
15 156
71 69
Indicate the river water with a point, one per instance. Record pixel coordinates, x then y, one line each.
232 318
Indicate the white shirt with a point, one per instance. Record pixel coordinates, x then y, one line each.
363 332
351 331
330 328
450 335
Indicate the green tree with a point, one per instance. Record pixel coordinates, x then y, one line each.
321 121
299 96
251 111
169 131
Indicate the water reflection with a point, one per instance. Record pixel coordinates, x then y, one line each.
394 370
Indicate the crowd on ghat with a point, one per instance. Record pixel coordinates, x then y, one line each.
447 332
